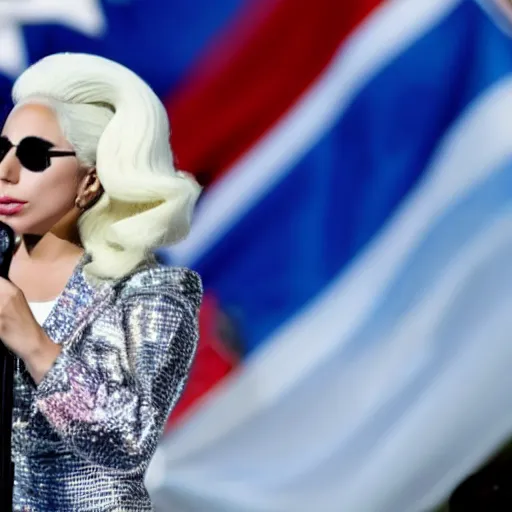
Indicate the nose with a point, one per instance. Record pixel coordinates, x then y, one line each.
10 167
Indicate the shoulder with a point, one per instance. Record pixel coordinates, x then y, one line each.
160 283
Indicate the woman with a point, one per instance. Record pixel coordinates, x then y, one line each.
104 334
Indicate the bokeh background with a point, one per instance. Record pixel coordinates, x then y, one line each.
354 238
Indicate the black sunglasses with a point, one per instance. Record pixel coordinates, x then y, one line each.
34 154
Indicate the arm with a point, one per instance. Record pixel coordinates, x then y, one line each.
42 357
109 399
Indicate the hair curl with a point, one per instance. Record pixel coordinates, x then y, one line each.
118 125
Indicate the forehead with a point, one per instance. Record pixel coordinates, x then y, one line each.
32 119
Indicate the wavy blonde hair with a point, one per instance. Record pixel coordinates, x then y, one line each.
117 124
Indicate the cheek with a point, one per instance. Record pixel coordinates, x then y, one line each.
53 189
50 197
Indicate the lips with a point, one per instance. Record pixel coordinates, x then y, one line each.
10 205
9 200
11 208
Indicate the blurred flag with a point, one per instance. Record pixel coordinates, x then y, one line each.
354 238
357 227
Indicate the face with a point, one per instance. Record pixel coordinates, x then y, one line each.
47 196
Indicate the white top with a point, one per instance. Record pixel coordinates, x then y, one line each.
41 310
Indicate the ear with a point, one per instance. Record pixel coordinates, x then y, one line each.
89 189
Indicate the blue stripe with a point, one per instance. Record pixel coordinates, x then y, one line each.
303 233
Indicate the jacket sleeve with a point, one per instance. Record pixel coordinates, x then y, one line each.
109 397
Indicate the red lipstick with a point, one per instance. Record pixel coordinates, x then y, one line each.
10 205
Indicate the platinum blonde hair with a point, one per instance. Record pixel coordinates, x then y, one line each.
117 124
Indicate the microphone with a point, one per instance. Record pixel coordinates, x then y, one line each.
8 245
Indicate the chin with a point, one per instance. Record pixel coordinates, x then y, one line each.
18 226
7 219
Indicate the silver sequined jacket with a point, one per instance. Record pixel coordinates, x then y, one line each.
83 438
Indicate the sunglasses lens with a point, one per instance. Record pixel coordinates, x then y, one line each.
33 154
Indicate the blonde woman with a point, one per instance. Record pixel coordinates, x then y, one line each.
104 335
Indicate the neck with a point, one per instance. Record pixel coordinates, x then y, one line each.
67 229
48 248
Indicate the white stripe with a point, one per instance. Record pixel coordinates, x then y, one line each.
466 395
408 347
462 163
370 48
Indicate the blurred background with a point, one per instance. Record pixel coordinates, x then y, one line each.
354 237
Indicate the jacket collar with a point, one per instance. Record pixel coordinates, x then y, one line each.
83 297
75 304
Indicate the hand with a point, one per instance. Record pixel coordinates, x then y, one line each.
20 332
